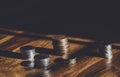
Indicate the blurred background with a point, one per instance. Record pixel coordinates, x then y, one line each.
36 17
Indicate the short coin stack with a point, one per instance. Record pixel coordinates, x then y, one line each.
60 44
70 59
42 61
28 52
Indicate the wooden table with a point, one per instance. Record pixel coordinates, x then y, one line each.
89 63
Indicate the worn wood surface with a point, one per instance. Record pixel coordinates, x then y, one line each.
89 63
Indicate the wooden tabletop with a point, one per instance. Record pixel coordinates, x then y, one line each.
89 63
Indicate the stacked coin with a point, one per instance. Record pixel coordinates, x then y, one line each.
28 52
105 49
70 60
60 44
42 60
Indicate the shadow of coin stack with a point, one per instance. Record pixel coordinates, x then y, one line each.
60 44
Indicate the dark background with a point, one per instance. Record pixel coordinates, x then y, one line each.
36 17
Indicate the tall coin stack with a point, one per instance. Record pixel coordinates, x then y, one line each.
106 49
60 44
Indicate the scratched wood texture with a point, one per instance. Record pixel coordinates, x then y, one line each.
89 63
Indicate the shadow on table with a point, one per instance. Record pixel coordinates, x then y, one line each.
10 54
89 50
24 34
47 51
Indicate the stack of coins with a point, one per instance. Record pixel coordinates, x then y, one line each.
105 49
42 60
60 44
28 52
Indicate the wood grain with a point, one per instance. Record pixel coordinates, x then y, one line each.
88 63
